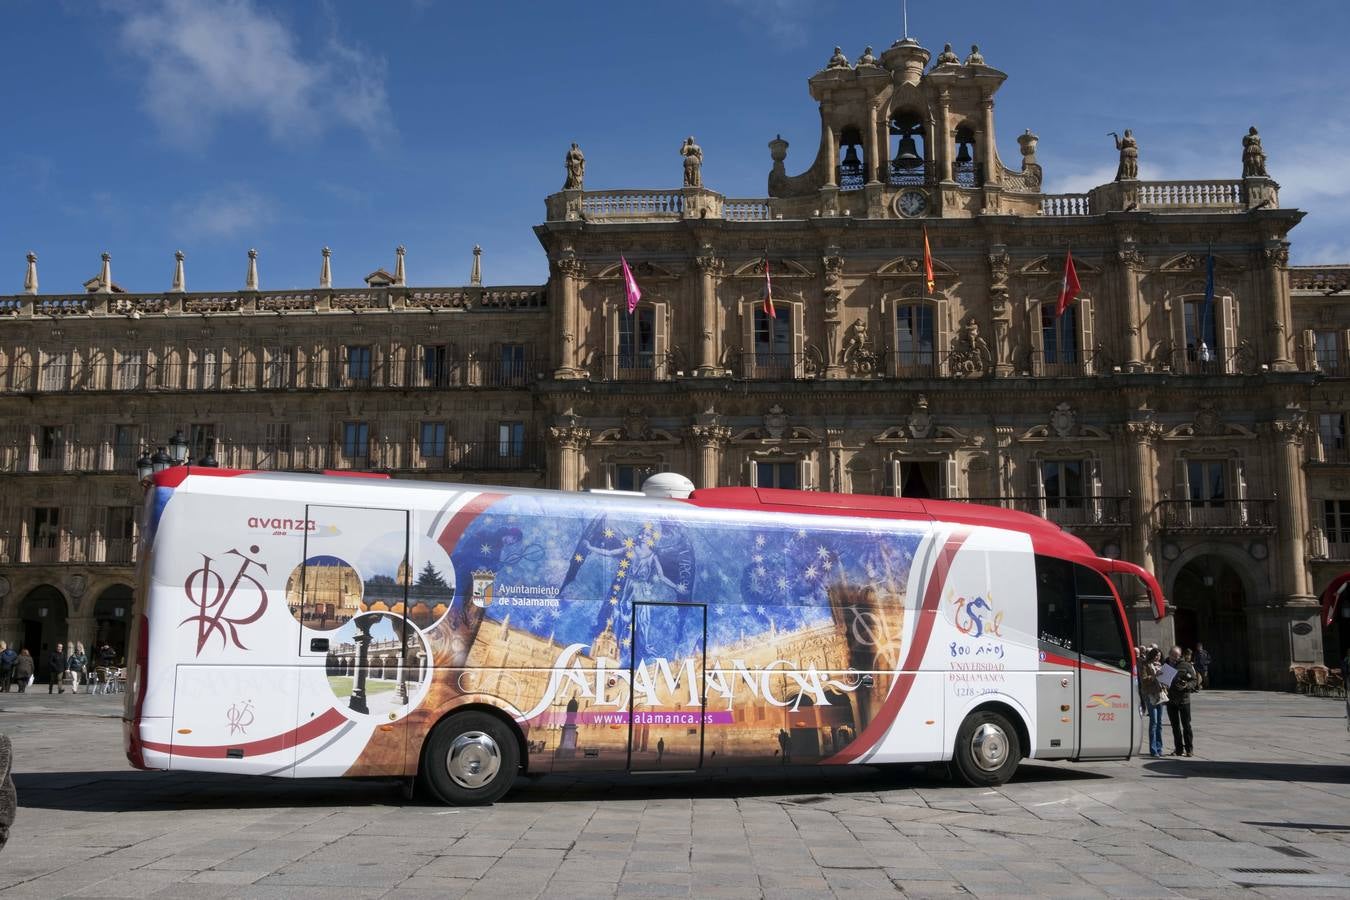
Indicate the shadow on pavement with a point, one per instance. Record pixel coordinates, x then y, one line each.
1251 771
134 791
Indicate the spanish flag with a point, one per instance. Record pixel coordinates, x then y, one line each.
927 261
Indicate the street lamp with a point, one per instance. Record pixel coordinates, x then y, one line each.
144 466
160 461
178 448
209 460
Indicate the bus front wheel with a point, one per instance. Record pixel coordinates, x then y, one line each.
471 758
987 749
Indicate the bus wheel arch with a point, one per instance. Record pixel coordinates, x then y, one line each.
489 736
991 742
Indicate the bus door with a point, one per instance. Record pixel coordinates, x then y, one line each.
1106 689
668 696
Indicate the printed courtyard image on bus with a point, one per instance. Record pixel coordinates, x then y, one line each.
462 636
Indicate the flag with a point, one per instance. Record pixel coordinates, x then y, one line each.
630 286
1068 292
927 262
768 289
1207 307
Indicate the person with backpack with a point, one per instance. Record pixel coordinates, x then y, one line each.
23 669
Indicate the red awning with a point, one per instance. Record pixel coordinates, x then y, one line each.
1331 597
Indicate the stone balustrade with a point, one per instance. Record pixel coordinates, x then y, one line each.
632 204
1167 195
1066 205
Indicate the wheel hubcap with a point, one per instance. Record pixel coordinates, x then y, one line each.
989 747
473 759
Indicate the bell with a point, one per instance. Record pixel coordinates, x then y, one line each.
851 155
907 156
963 154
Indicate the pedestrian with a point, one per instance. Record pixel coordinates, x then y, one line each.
785 742
106 655
8 657
1153 695
23 670
1179 703
9 804
56 670
1202 661
78 663
660 750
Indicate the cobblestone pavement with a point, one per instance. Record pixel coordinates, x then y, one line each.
1263 809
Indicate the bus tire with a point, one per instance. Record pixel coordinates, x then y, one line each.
987 749
471 759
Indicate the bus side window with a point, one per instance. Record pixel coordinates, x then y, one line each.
1056 602
1103 637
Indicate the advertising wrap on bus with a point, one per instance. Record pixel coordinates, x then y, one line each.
322 626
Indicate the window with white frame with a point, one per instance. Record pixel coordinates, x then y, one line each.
777 474
1208 481
1064 482
1327 346
637 338
1059 335
915 341
431 440
773 342
630 476
1336 522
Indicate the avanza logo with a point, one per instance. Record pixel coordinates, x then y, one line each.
281 525
205 589
1105 701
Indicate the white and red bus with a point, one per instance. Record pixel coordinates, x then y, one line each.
326 625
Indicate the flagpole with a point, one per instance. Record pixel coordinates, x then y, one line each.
904 11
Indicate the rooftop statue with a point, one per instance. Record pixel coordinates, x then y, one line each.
975 58
1253 157
867 59
693 163
839 60
1129 156
576 169
947 57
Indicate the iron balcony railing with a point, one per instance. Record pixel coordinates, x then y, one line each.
1070 363
901 176
1213 361
639 366
1216 515
70 546
777 366
1080 512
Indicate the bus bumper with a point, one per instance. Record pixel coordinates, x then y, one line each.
136 735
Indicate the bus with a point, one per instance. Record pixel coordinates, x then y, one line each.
458 636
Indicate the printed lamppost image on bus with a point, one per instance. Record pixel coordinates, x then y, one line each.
333 625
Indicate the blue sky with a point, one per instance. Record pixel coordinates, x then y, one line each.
213 126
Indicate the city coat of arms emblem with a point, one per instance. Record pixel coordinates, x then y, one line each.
482 587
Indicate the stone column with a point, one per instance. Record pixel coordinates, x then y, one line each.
1280 317
831 153
710 439
1130 264
833 265
942 153
80 629
570 270
988 153
1291 509
709 267
1142 437
565 467
870 148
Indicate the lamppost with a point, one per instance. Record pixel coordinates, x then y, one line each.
150 465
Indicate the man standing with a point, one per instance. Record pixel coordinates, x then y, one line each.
1179 703
56 669
8 657
660 750
1202 660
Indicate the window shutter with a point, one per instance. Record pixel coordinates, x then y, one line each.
1086 348
1310 350
1342 349
951 478
943 333
1236 490
1181 509
614 313
746 364
659 341
1037 339
1177 361
798 338
893 481
750 479
1228 319
806 473
1094 487
1038 485
611 476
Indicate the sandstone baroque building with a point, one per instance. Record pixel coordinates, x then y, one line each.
1206 442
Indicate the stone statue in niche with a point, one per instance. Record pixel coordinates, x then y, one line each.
971 355
858 355
920 422
576 169
1253 157
1128 170
693 163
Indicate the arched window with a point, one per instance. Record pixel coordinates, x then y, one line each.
965 165
852 163
915 346
773 342
908 153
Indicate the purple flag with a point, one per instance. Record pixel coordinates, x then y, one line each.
630 286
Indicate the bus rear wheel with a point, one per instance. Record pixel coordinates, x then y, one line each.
471 758
987 749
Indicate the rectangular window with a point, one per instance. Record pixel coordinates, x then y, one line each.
773 343
130 371
119 534
1331 430
358 364
776 475
126 446
355 440
1064 483
208 370
914 338
637 339
276 445
277 367
1202 343
435 365
1059 335
1328 351
46 533
1336 521
629 477
202 440
513 363
1208 479
55 372
1056 602
51 444
431 440
511 440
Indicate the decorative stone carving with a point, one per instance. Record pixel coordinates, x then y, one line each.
775 422
636 427
575 162
570 436
1128 170
920 421
1208 421
693 163
976 58
1253 157
867 59
1063 420
970 357
710 435
858 355
708 264
1031 166
838 60
1277 255
947 57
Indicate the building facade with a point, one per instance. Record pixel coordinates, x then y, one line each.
1186 412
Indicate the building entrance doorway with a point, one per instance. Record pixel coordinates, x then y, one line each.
111 614
1210 607
43 613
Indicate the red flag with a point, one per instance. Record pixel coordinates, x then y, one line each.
927 261
768 289
1069 291
632 293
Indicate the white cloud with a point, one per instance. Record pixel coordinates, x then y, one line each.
223 212
211 60
783 20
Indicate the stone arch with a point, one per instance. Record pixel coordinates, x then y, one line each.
1254 582
43 623
112 613
1213 590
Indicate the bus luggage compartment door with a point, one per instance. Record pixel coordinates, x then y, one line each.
668 697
